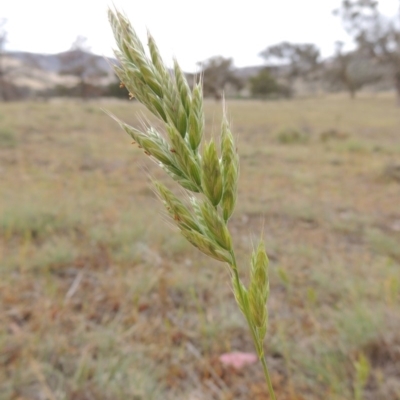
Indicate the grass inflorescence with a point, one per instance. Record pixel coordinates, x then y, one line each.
208 175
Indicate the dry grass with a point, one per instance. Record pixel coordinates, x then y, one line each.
100 300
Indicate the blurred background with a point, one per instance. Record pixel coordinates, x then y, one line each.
99 299
65 49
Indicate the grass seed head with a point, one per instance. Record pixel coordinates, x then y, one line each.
204 225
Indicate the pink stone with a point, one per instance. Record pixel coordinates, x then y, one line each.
238 359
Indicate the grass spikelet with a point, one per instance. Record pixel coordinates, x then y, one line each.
184 156
196 118
230 169
183 87
211 174
207 246
156 58
259 291
158 147
215 225
178 211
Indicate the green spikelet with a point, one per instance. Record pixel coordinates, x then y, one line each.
207 246
259 291
211 174
156 58
183 87
215 226
177 210
196 118
184 156
230 170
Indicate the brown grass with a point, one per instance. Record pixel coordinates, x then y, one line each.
99 299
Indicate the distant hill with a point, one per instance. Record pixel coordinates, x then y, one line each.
31 74
61 61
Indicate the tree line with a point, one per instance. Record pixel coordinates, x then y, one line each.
376 57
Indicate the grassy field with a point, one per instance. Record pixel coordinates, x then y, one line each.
100 299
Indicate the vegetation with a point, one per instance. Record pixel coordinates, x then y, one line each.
3 69
79 64
297 67
216 73
351 71
98 299
115 89
375 34
264 85
297 60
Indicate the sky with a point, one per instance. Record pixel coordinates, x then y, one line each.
189 30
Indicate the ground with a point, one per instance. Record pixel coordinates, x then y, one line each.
100 298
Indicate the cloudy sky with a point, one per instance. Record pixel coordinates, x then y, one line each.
190 30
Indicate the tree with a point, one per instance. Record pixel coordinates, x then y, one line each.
80 63
10 70
216 73
299 60
264 85
350 71
3 71
376 35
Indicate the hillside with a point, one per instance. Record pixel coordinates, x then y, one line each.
28 75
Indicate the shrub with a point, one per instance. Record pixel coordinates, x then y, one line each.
264 85
292 136
8 138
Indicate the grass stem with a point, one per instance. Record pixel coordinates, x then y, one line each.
268 378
